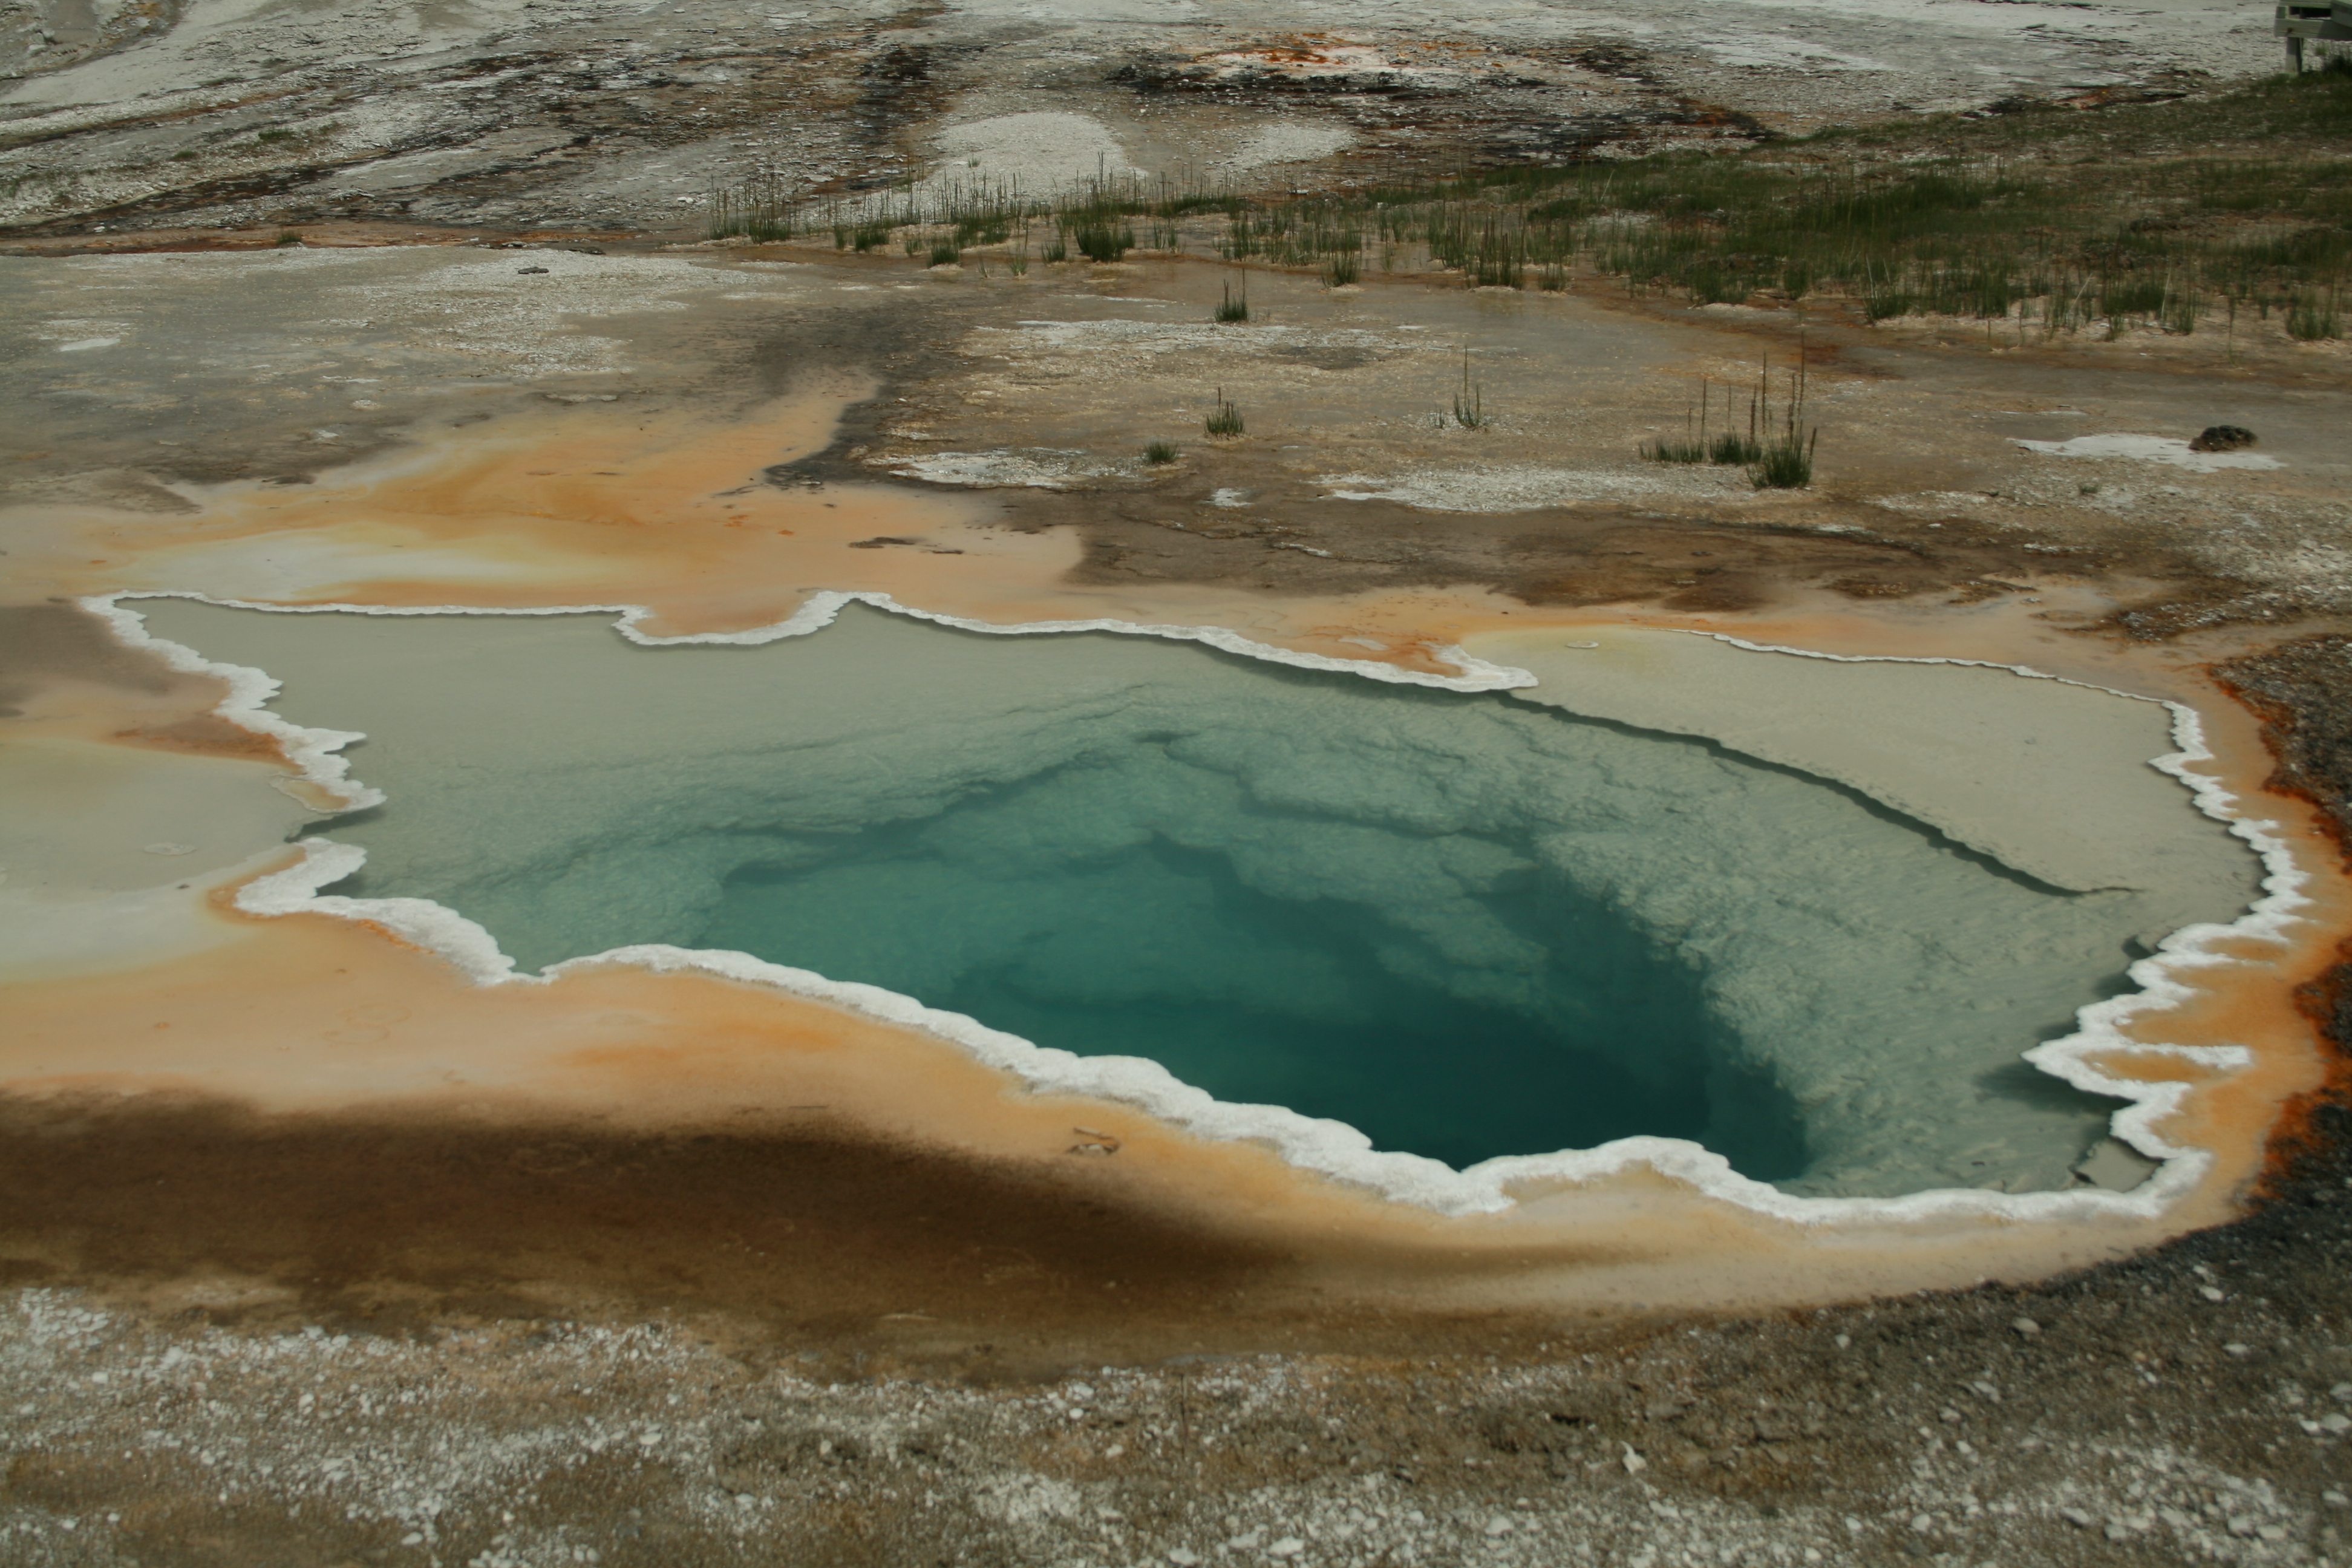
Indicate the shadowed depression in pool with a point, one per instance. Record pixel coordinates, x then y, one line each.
1462 924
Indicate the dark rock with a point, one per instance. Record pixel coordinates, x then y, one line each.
2222 439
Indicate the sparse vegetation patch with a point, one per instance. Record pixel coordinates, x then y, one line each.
2053 221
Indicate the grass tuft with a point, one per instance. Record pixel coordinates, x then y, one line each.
1162 452
1470 402
1103 241
1781 459
1787 459
288 237
1787 464
1232 307
1225 419
2313 318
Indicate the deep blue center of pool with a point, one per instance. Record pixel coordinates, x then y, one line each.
1160 951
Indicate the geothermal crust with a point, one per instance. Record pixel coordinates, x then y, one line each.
320 1249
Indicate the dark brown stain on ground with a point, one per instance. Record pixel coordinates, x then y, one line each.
44 642
790 1237
41 644
1568 559
387 1220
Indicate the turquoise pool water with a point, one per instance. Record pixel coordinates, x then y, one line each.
1053 910
1464 923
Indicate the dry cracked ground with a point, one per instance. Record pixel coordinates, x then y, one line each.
357 1387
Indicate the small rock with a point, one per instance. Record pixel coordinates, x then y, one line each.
1181 1558
2241 1526
2222 439
2077 1516
1923 1522
2026 1327
1634 1463
531 269
2213 1292
1499 1525
1289 1546
2336 1500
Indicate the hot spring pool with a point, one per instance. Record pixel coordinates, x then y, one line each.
1465 924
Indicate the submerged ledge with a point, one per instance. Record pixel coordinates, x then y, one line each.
1325 1147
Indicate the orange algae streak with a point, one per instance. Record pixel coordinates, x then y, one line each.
2263 1001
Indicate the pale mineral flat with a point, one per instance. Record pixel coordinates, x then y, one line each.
2051 778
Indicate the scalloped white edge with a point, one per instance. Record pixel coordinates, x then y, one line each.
1328 1148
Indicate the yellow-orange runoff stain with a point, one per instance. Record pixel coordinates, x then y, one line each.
671 511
